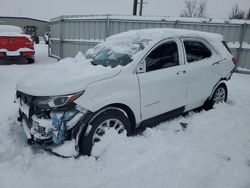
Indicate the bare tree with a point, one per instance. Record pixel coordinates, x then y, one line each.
236 13
248 15
189 10
194 9
201 9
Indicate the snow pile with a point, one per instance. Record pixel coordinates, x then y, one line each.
212 152
245 45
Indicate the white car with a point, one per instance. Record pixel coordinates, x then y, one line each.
132 80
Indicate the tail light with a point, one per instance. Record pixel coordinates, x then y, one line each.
28 54
234 60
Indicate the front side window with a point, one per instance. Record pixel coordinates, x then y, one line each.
196 51
164 56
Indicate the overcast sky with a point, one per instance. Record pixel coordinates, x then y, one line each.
46 9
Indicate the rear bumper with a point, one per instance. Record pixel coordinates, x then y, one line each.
5 53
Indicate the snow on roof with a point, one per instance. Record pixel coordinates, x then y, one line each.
152 18
156 34
134 41
10 28
13 31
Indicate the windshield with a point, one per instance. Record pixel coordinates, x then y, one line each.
115 52
108 57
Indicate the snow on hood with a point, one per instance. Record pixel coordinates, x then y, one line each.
68 76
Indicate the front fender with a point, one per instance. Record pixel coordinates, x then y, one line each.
122 89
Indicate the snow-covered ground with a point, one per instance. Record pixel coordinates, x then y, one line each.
213 152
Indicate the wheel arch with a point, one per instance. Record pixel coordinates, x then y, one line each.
84 131
128 111
221 82
208 104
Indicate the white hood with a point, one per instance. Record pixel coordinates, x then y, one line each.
63 78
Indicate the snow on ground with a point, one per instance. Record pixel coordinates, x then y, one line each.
213 152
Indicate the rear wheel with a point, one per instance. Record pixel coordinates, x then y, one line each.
219 95
111 119
30 60
36 39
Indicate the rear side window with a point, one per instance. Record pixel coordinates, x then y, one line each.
196 51
225 44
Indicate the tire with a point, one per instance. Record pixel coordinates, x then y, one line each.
30 60
111 115
219 95
36 39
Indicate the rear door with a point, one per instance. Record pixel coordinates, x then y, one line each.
163 86
200 59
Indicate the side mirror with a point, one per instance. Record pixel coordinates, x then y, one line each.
141 67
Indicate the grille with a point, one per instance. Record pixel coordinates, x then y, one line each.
41 130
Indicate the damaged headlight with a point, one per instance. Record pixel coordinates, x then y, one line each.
56 101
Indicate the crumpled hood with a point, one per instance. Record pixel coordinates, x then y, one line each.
63 78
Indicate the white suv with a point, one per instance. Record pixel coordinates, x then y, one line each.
132 80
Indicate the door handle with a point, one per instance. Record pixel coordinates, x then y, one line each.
217 62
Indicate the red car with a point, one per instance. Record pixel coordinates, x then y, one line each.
13 43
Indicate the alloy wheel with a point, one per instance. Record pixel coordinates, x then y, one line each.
106 125
219 95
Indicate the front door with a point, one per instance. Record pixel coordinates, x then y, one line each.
163 86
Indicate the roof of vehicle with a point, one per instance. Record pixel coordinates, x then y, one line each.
134 41
12 31
156 34
10 28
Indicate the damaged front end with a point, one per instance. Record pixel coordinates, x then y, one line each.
52 122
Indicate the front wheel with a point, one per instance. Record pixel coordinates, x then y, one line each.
219 95
110 119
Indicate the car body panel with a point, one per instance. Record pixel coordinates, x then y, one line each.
151 96
103 93
63 78
14 43
168 88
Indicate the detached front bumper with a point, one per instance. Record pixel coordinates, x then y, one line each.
55 132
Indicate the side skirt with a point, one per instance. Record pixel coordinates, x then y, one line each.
152 122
